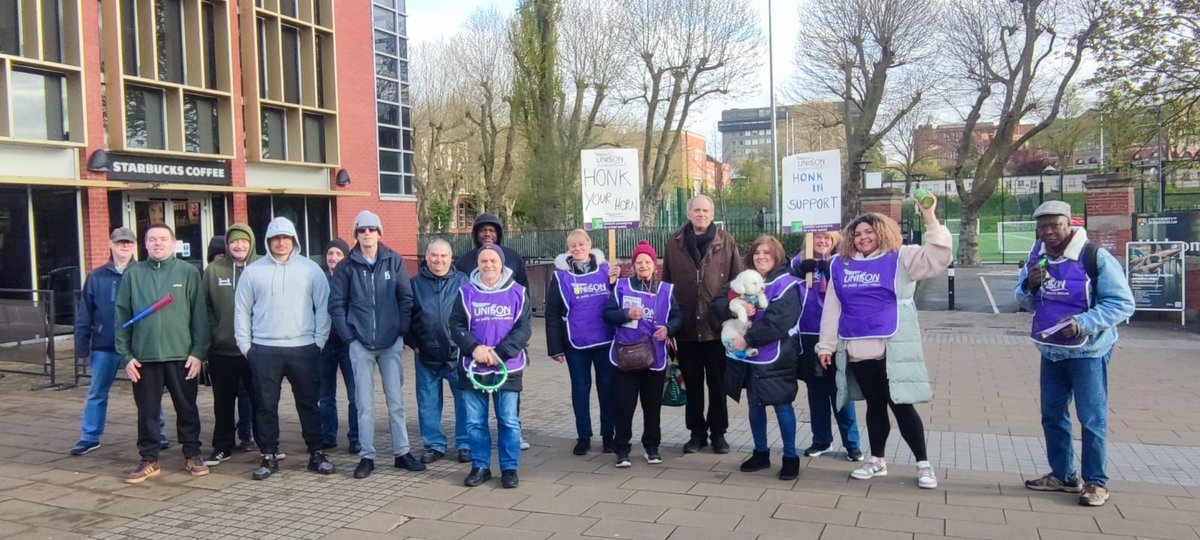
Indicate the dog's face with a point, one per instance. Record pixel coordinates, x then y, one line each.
749 282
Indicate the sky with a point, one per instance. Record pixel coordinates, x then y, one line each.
431 19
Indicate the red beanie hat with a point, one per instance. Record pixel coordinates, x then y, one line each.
644 248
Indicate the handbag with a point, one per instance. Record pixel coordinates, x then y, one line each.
673 394
637 356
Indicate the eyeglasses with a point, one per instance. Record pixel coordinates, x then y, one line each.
361 230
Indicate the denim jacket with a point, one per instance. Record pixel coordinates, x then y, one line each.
1114 303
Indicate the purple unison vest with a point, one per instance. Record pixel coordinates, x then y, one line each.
1064 293
657 309
490 316
585 296
769 353
866 289
812 305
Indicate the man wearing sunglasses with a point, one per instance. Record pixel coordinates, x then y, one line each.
370 301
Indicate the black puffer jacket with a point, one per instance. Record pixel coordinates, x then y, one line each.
774 383
433 301
371 303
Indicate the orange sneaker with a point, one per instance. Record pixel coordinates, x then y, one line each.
144 471
196 466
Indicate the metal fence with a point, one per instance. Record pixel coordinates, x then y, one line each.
27 332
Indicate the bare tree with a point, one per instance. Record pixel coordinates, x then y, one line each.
904 144
440 129
484 55
1019 58
875 57
1074 124
687 51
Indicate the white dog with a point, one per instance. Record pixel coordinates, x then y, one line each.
748 286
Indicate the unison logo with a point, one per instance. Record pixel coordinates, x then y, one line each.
1052 285
488 309
590 288
861 277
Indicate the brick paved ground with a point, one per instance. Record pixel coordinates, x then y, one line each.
984 436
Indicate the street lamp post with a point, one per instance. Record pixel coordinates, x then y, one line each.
1049 170
862 177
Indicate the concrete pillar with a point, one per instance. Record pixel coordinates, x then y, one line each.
1109 211
887 201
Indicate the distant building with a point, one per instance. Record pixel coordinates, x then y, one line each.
805 127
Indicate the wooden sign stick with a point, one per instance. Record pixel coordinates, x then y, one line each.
808 254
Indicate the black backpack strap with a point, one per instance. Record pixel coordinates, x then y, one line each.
1091 264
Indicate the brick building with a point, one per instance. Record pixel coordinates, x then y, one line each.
196 113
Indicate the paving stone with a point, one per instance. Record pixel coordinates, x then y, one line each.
617 528
816 514
433 530
673 500
1142 513
39 492
878 506
970 513
19 510
727 491
380 522
901 523
497 499
842 532
700 520
628 512
483 515
694 533
40 533
501 533
754 509
780 527
1145 529
991 531
555 523
905 493
417 507
1012 502
658 484
1073 535
596 494
555 505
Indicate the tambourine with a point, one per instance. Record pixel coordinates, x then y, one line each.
488 388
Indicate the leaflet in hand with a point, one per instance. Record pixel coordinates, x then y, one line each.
1054 329
630 302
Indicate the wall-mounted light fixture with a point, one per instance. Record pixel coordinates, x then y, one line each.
98 161
343 178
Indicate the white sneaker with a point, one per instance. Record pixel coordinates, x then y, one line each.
872 468
925 475
622 462
524 444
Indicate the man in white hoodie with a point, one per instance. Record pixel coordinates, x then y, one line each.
281 322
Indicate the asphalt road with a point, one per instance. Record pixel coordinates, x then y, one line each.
986 289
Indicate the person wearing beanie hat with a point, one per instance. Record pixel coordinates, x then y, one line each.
371 300
488 230
1078 294
228 369
334 357
641 308
576 334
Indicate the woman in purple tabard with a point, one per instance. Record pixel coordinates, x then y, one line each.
869 330
770 377
576 334
490 324
822 389
641 307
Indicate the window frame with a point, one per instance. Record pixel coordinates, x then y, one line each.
43 38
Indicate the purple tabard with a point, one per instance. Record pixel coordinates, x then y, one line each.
584 296
1064 293
490 316
769 352
656 309
866 289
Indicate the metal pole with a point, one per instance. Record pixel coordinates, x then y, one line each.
950 284
775 187
1162 187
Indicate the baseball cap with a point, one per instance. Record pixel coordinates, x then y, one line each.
123 234
1053 208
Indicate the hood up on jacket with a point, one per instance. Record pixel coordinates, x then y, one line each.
563 260
241 227
281 226
506 279
487 218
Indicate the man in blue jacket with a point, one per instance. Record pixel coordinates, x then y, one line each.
1078 294
434 290
95 337
370 301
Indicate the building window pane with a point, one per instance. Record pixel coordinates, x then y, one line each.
169 20
201 125
208 12
51 35
385 66
408 189
402 49
406 117
262 58
385 19
39 105
404 96
144 118
319 227
388 3
291 64
287 7
316 9
389 161
408 140
389 114
321 44
408 163
390 184
274 134
402 25
10 30
129 40
389 138
314 138
385 43
387 90
403 70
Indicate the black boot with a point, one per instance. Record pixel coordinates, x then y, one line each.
719 445
364 468
318 463
268 466
607 445
694 444
757 461
790 469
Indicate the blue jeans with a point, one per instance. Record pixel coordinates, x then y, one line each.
104 366
786 416
430 402
331 360
822 399
1085 379
392 376
508 424
580 363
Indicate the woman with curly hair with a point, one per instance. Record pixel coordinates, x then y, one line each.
869 330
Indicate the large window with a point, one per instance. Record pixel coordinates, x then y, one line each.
391 93
41 76
292 44
172 73
310 215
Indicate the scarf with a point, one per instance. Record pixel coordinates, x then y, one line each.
697 246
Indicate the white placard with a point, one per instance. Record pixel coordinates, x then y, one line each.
812 192
874 180
612 197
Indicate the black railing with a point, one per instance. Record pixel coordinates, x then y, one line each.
27 317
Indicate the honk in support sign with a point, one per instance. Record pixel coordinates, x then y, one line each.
611 188
812 192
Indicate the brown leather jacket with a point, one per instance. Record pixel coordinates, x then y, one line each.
694 288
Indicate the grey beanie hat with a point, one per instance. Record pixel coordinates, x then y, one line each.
367 218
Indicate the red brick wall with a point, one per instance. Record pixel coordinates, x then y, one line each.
890 209
1117 202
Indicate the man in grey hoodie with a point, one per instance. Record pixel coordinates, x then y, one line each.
281 322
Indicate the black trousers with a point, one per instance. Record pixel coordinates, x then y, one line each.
148 394
627 388
872 379
228 374
270 365
703 364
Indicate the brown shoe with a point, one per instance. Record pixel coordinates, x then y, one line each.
196 466
1049 482
1093 495
144 471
